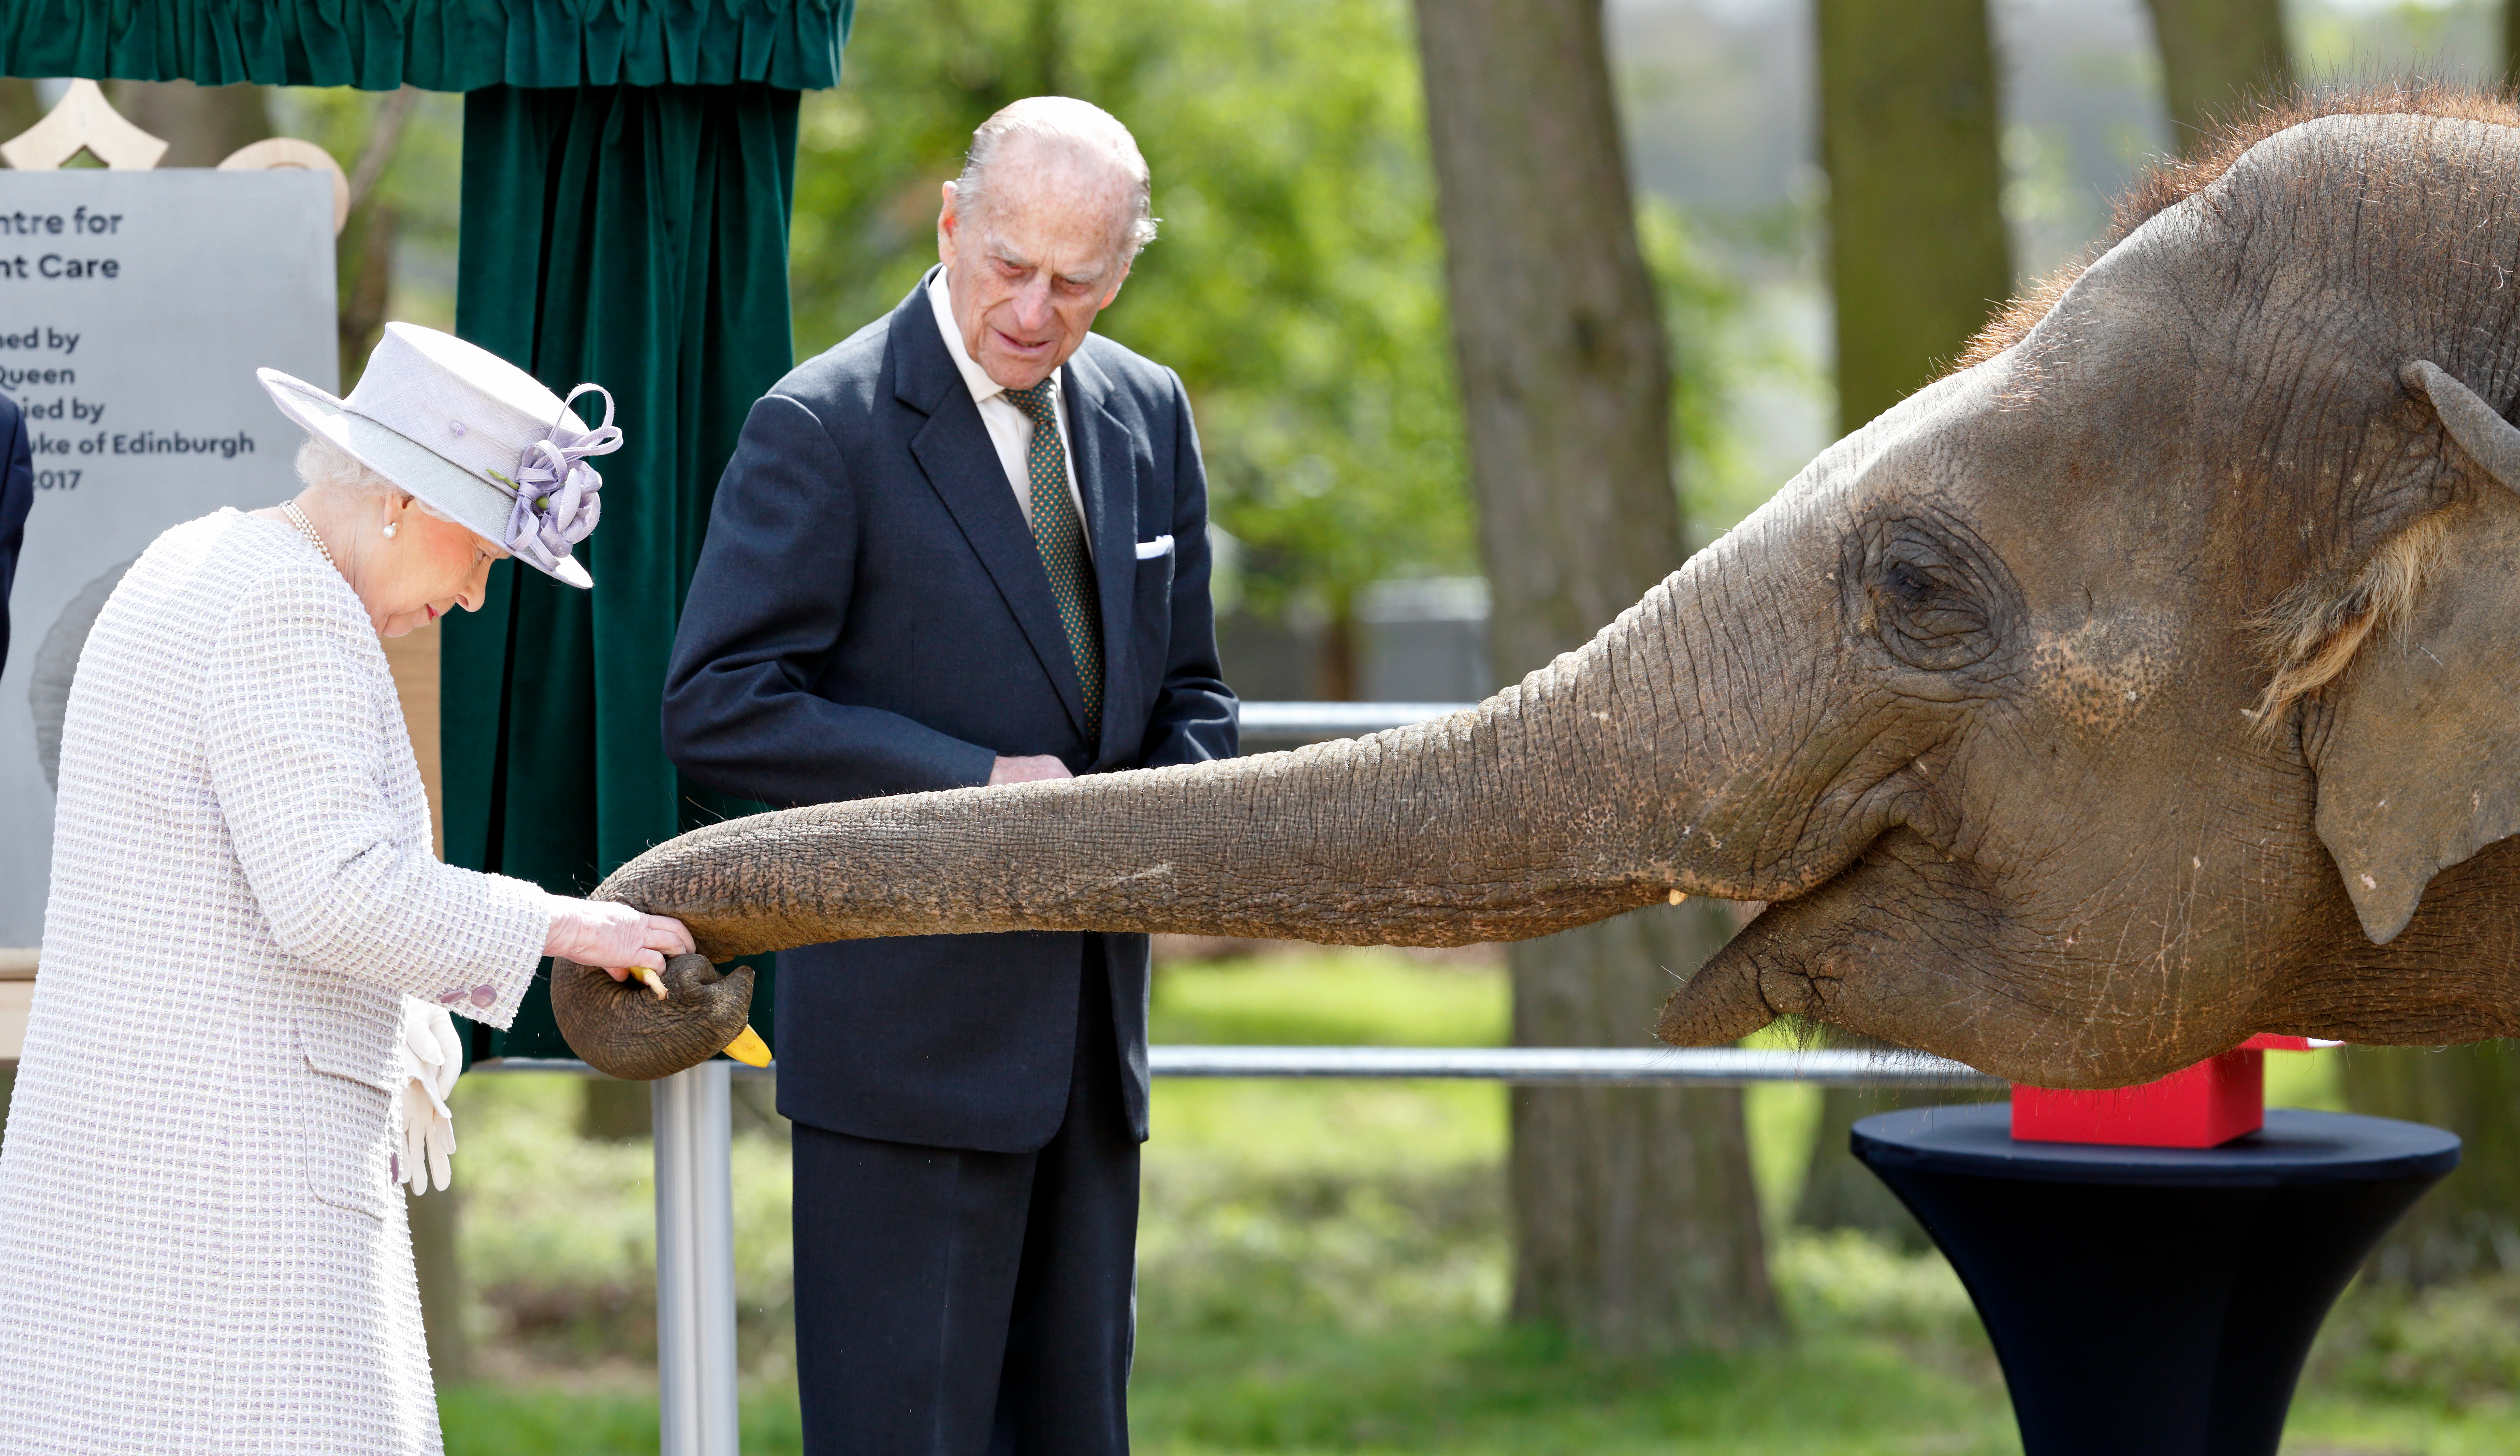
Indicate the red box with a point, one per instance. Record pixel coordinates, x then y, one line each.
2205 1106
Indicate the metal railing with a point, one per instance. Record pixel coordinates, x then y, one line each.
1279 726
1521 1067
695 1366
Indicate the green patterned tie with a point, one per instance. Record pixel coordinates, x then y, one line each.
1061 539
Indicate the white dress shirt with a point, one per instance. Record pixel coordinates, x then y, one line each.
1009 428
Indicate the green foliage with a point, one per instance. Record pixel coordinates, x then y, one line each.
1716 343
1847 1283
1365 996
2451 1346
1297 283
419 184
1321 1267
1346 1205
1488 1391
505 1419
559 1233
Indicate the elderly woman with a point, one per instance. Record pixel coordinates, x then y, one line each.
202 1245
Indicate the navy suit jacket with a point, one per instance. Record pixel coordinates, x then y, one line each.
17 498
870 616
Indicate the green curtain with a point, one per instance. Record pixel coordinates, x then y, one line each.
635 236
628 171
436 45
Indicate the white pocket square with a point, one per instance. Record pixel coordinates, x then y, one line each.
1159 546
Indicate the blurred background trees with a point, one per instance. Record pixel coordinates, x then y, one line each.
2216 56
1635 1222
1918 257
1827 197
1296 284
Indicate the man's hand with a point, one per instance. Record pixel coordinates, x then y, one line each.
1032 770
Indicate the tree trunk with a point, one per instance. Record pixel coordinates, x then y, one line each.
609 1111
18 107
1556 332
1048 47
2471 1223
2512 42
364 254
1840 1192
1634 1217
1334 669
364 260
2215 55
202 125
1918 257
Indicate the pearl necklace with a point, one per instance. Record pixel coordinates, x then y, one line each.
306 528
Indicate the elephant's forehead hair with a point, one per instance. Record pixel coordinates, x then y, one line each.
2174 182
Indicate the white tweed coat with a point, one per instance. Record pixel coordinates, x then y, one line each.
201 1244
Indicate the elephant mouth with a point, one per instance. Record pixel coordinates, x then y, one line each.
1904 930
1918 948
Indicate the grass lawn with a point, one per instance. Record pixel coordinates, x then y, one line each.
1323 1265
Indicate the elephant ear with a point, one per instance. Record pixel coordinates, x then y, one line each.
2420 767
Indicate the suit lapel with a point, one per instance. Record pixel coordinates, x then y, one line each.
962 467
1105 476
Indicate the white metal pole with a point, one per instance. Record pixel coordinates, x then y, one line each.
694 1264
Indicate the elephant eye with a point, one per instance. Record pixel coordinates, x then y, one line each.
1930 595
1911 585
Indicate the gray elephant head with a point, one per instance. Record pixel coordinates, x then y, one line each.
2144 684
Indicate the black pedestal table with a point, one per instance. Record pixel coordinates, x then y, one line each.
2153 1300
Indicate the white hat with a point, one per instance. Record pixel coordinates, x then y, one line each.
472 435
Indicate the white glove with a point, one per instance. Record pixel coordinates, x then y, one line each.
431 1060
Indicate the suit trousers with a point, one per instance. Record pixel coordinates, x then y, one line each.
959 1302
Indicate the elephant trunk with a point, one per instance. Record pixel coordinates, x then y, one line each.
1595 786
1431 835
1655 760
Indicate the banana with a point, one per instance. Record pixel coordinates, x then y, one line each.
749 1048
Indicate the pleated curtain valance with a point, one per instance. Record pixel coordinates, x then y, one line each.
437 45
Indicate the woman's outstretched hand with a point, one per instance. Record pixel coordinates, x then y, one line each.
613 936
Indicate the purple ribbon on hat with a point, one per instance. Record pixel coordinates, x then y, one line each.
556 506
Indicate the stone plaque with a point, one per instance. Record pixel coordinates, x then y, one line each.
134 308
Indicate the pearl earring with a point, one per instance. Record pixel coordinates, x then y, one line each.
391 529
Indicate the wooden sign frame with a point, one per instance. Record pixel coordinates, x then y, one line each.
83 120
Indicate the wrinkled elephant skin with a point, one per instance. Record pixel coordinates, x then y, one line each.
2143 685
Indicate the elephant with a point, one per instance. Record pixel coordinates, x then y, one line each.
2141 684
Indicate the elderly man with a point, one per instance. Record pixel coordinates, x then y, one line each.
967 546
